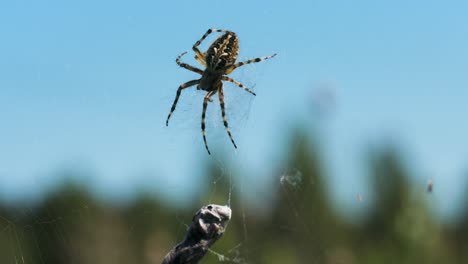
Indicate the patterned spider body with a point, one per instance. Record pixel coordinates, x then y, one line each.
219 60
222 53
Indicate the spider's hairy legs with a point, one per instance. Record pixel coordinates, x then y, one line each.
223 113
225 78
186 66
179 91
205 105
198 55
242 63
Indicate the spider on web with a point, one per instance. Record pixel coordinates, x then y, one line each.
219 60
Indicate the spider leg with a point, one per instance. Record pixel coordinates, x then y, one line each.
198 55
223 113
179 91
205 105
225 78
186 66
237 65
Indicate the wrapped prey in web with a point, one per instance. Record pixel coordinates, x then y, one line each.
207 226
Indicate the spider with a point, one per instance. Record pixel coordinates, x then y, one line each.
219 60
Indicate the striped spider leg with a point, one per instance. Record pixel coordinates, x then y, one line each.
219 60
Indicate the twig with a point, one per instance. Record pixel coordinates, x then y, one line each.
207 226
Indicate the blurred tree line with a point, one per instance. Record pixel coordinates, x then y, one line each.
299 225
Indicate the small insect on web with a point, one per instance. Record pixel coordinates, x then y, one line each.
292 179
219 61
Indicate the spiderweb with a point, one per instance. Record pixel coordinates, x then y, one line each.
72 225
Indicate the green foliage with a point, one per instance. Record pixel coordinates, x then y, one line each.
299 225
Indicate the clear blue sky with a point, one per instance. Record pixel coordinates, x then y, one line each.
89 84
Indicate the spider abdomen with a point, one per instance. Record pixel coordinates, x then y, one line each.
223 52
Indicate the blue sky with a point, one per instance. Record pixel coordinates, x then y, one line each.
88 85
